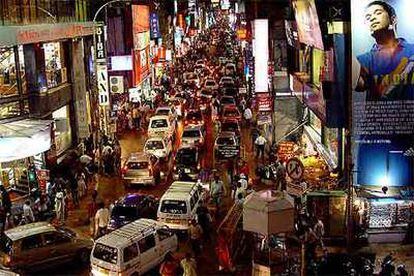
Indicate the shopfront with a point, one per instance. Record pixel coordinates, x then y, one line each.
62 130
56 72
23 145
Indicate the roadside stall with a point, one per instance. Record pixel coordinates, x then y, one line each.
270 215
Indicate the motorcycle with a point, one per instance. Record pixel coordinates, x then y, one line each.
267 172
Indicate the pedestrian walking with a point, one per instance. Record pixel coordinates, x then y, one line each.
254 134
195 232
319 230
260 143
189 265
5 207
28 212
81 179
101 220
205 220
155 169
60 206
281 176
247 115
216 191
170 266
136 117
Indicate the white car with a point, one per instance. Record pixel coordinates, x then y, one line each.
191 78
210 84
226 81
166 111
161 125
193 135
161 147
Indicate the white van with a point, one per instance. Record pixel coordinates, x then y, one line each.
133 249
178 205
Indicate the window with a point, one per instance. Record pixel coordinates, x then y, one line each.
105 253
8 75
192 202
130 252
174 207
31 242
56 73
164 233
159 123
54 238
146 243
137 165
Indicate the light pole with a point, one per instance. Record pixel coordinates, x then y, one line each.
96 89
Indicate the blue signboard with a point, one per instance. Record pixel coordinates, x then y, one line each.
154 26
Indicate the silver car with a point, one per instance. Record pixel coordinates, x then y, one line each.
137 170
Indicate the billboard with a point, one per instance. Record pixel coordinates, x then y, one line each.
307 22
261 51
383 92
140 22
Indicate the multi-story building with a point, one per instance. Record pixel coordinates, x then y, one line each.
46 66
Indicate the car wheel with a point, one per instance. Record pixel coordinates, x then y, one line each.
83 256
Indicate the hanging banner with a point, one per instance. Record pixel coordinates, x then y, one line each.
103 90
383 92
308 23
154 26
140 22
264 102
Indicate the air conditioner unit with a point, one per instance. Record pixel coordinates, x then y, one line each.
116 84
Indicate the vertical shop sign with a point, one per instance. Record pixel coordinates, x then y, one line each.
140 22
261 58
383 92
100 44
102 72
154 26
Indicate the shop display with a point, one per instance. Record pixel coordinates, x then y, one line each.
381 215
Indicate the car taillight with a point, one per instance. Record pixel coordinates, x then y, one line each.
124 170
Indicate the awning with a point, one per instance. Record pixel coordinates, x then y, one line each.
24 138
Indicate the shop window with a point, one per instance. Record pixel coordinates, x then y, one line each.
56 73
8 75
62 129
10 110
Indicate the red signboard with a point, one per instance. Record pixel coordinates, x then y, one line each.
264 102
242 34
285 150
141 65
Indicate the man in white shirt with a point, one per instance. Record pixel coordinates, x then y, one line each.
101 220
248 115
260 146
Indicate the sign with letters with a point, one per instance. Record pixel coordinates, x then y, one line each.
103 89
100 44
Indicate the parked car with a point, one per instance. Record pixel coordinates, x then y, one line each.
161 147
193 136
187 159
226 81
231 112
161 125
38 245
131 207
194 117
191 78
210 84
133 249
231 125
166 111
137 170
226 145
227 100
230 69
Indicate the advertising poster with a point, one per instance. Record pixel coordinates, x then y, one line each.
140 22
307 22
383 92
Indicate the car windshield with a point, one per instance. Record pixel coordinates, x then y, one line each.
174 207
159 123
105 253
186 156
191 133
154 145
6 244
231 112
163 112
194 116
210 83
225 141
137 165
191 76
129 213
230 126
227 100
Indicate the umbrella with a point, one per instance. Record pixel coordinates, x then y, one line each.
268 212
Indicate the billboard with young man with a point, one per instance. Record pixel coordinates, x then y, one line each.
383 92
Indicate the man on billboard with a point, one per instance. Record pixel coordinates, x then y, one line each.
386 71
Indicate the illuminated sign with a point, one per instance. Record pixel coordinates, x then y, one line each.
154 26
100 44
383 92
261 51
102 73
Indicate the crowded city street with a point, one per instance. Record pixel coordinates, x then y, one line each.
206 137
